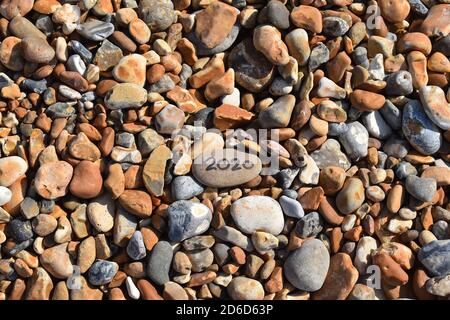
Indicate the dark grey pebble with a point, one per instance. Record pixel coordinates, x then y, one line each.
392 115
310 225
20 230
422 189
399 83
159 263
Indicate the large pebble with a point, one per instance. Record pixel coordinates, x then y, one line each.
306 268
159 263
87 180
436 106
226 168
11 169
102 272
187 219
351 196
126 95
258 213
52 179
435 256
355 140
243 288
421 188
419 130
185 187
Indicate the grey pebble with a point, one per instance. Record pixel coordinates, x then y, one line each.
440 230
405 169
221 255
319 55
187 219
136 247
287 176
291 207
396 147
310 225
290 193
376 126
159 263
235 237
278 14
392 115
334 26
102 272
419 130
20 230
355 140
399 83
435 256
185 187
306 268
422 189
96 30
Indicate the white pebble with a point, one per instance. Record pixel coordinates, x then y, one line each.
5 195
133 291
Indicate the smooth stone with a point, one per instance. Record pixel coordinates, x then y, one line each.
101 212
439 286
363 253
187 219
136 202
355 140
226 168
252 70
351 196
11 169
306 268
257 213
37 50
278 114
203 50
235 237
399 83
5 195
405 169
29 207
309 174
376 126
435 256
396 147
422 189
87 180
392 115
102 272
20 230
125 95
319 55
436 106
52 179
330 154
159 263
95 30
200 259
243 288
291 207
131 69
286 177
56 261
157 14
419 130
214 23
340 280
278 14
185 187
136 248
310 225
